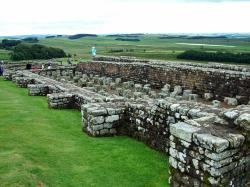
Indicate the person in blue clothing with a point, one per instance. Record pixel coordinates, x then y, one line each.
1 68
93 51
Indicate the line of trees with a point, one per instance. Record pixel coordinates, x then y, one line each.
125 35
215 56
22 51
31 40
77 36
191 37
118 50
128 39
36 51
8 44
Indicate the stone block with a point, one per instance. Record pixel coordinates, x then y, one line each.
118 81
112 119
216 103
235 140
211 142
97 111
138 87
119 91
165 91
112 131
104 132
231 101
97 127
108 125
163 95
183 131
243 121
98 120
127 93
186 93
153 94
137 95
193 97
167 87
112 86
231 114
178 90
146 89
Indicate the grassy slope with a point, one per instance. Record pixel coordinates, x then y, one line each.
155 48
150 46
4 55
43 147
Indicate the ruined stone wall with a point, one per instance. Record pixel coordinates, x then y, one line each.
212 150
219 82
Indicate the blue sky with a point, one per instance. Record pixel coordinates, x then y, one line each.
123 16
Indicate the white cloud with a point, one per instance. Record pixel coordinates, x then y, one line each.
120 16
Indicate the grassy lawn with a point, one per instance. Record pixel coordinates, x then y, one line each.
43 147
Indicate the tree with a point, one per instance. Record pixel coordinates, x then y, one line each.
28 52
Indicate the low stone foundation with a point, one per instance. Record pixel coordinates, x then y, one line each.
61 100
38 89
7 75
102 119
23 82
219 80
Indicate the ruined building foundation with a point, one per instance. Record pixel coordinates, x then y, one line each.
197 114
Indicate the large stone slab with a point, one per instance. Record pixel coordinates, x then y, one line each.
183 131
211 142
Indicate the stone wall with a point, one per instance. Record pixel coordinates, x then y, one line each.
200 156
102 119
38 89
227 81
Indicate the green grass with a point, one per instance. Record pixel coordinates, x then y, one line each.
149 46
44 147
4 55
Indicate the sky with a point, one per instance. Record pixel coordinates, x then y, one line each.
20 17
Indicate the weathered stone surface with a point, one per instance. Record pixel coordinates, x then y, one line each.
244 121
111 119
118 81
235 140
216 103
208 96
211 142
232 114
193 97
98 120
178 90
231 101
186 93
183 131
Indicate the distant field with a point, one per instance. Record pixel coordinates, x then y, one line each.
149 46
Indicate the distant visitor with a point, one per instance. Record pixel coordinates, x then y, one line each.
93 51
49 65
28 66
69 61
1 68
